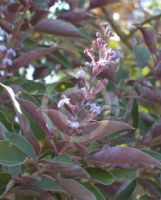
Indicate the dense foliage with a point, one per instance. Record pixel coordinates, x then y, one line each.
80 101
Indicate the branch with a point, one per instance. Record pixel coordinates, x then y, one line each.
116 27
144 22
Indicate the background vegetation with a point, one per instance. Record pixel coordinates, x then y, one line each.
77 124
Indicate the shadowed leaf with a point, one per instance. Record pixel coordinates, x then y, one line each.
57 27
142 55
59 119
36 113
100 175
29 56
103 129
126 190
150 38
4 180
76 190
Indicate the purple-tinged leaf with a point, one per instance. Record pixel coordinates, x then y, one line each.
6 26
75 17
102 129
23 122
57 27
150 38
153 137
29 56
11 12
38 15
122 156
76 190
68 169
36 113
59 119
157 70
151 94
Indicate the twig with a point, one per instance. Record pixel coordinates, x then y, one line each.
116 27
142 23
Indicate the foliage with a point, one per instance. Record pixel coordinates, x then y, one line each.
86 124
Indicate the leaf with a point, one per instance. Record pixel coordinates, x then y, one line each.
100 175
4 180
68 169
24 124
102 129
126 190
75 17
125 173
10 155
157 70
59 120
152 94
35 113
135 114
21 143
60 159
57 27
38 15
47 184
29 56
122 156
142 55
14 170
154 154
150 38
76 190
94 190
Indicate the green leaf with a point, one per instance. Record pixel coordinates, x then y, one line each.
94 190
61 59
125 173
5 121
47 184
154 154
62 159
135 114
10 155
13 170
100 175
126 190
4 180
142 55
21 143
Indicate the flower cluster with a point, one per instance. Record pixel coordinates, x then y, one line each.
107 57
79 103
6 56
